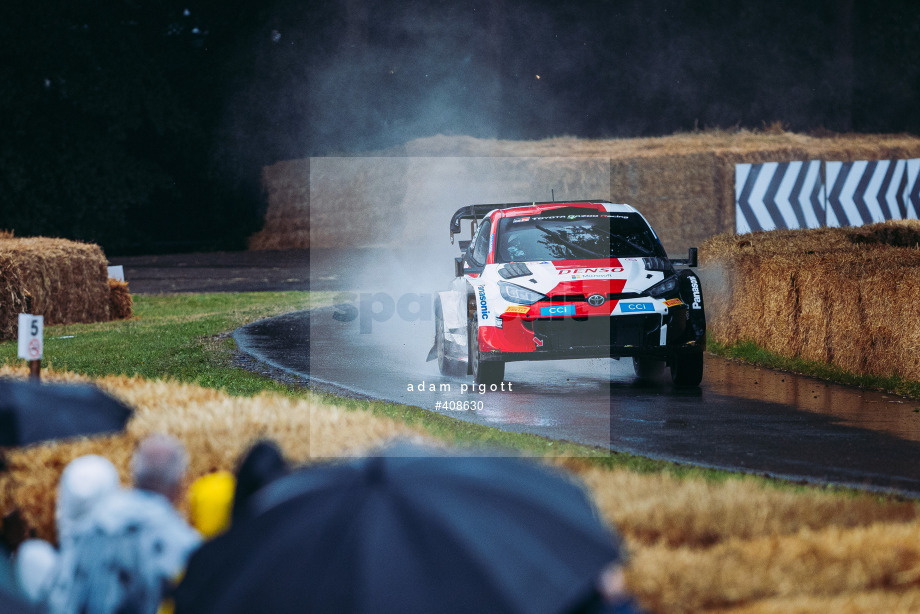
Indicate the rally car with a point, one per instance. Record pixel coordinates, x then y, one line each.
563 280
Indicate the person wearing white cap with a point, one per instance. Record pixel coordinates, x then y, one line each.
84 482
132 544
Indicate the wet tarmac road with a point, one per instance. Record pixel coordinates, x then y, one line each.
374 341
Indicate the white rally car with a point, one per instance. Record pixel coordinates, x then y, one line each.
563 280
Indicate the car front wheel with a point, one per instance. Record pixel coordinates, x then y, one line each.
687 369
484 372
446 364
648 368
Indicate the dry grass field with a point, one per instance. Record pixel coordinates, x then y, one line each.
738 545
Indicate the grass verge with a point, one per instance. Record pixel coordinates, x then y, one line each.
171 337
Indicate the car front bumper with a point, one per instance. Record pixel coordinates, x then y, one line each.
660 335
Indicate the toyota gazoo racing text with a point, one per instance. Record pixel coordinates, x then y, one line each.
564 280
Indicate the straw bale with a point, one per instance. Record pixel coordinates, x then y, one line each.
356 201
661 510
120 301
747 145
815 304
675 192
64 281
845 296
857 602
287 218
829 561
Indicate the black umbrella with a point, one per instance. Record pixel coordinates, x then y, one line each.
31 412
406 534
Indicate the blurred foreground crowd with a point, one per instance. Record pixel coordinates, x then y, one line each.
404 531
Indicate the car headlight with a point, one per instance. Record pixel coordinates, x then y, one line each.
663 288
516 294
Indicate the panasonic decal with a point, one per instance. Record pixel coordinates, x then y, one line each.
697 297
483 306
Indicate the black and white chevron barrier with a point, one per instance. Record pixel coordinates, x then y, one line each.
777 195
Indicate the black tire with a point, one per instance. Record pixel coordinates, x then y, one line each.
446 364
648 368
484 372
687 369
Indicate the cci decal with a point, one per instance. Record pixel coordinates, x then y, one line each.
557 310
673 302
483 306
635 307
697 296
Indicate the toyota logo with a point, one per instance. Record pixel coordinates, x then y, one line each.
596 300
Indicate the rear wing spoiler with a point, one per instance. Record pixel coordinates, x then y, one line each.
476 212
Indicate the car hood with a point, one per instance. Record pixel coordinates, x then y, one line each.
566 277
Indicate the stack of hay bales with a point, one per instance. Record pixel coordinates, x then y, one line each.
64 281
684 184
286 186
842 296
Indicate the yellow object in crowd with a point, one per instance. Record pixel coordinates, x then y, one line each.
210 499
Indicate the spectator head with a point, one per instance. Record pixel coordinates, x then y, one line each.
262 464
35 564
159 465
84 481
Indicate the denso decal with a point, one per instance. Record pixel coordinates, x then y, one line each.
483 306
697 297
633 307
602 270
557 310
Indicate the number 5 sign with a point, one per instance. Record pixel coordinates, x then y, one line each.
30 336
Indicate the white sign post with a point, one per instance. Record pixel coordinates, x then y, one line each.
117 272
31 331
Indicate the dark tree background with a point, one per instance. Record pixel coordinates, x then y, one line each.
143 125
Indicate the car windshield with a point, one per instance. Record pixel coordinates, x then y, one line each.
575 237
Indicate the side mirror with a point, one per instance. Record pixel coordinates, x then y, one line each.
458 266
691 259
